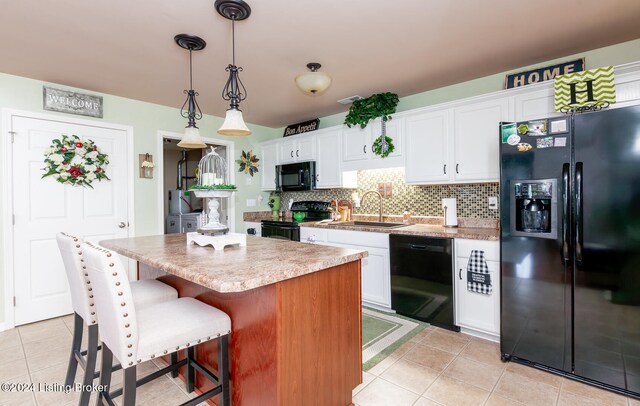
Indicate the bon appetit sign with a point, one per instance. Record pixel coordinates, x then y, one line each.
71 102
303 127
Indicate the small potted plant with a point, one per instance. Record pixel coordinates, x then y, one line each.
378 105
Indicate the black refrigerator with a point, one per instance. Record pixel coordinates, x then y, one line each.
570 246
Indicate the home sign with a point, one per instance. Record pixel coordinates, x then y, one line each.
542 74
71 102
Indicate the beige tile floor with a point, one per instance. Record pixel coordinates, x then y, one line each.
436 367
439 367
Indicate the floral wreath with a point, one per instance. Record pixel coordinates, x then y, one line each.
74 161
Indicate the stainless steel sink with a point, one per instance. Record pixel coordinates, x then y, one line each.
371 224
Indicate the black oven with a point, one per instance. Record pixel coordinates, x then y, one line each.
298 176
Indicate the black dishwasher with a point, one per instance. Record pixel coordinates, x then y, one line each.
422 279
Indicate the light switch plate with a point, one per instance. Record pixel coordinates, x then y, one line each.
493 202
251 202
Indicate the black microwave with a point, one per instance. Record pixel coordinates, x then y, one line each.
295 177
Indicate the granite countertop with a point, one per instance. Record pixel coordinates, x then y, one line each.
262 262
426 230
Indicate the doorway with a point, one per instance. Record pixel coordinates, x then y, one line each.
180 210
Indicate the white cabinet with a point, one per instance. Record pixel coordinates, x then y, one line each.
376 272
298 149
328 163
268 167
357 145
427 148
535 105
476 148
477 312
255 225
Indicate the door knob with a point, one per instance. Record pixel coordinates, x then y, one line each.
122 224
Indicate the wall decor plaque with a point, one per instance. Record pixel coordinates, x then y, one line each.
303 127
542 74
66 101
591 90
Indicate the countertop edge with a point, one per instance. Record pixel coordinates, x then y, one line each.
239 286
482 234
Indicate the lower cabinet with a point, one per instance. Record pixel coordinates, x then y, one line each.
376 272
478 312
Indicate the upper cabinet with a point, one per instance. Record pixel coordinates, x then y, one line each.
328 165
476 147
357 145
456 145
427 148
268 167
534 105
299 149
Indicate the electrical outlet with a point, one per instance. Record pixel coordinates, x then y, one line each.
493 202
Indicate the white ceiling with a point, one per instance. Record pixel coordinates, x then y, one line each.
126 48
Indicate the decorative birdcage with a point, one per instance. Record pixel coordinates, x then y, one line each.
212 170
213 184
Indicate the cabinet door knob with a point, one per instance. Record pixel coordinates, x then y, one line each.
364 148
291 153
297 155
122 225
460 274
317 177
444 169
457 165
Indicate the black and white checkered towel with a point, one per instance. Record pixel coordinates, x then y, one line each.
478 278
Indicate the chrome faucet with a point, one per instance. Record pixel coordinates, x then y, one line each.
379 195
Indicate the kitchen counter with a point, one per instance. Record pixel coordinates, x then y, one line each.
295 309
262 262
488 234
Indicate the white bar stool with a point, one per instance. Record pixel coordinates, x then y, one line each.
136 335
145 293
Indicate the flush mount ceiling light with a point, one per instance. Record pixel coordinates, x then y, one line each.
190 109
234 91
313 82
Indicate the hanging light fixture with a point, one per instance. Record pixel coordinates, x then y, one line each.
313 82
234 91
192 112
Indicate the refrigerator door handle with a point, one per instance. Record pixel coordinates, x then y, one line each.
565 213
579 213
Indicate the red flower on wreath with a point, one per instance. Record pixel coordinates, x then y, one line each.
63 149
78 144
98 170
75 171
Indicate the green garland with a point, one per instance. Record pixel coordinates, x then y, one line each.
378 105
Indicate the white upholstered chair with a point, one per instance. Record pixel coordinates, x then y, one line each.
145 293
136 335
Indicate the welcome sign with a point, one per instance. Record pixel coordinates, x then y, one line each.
588 90
71 102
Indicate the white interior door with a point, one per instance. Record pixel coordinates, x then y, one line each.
44 207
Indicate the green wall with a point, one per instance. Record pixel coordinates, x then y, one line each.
24 94
612 55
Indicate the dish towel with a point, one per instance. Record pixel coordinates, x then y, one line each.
478 277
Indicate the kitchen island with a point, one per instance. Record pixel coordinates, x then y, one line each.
295 312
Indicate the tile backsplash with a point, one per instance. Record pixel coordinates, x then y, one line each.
423 200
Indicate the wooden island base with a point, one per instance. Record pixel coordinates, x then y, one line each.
295 342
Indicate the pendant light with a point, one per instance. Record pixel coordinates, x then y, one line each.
234 91
192 112
313 82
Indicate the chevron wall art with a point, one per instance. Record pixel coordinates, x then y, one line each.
590 89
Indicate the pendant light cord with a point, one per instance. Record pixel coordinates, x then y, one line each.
233 40
190 70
